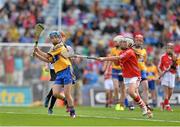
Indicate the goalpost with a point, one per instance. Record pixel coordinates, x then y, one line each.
22 73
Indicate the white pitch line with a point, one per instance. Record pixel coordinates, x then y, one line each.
100 117
137 119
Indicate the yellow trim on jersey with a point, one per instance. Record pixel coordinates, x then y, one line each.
142 58
152 72
115 52
59 62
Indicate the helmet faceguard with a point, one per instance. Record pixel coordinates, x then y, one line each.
129 41
170 44
170 48
56 34
118 39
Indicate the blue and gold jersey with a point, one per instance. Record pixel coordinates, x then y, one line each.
152 72
59 62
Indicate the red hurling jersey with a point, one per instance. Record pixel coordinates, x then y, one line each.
165 63
129 64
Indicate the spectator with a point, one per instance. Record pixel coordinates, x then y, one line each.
13 33
2 73
67 4
83 6
27 38
19 68
9 65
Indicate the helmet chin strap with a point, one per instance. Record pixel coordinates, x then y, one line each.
170 53
55 44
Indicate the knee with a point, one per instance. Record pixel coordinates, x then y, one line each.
145 88
131 91
123 92
116 87
131 94
55 94
67 95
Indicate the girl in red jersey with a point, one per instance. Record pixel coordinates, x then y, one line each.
167 69
130 72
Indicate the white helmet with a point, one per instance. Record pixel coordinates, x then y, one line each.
129 41
118 38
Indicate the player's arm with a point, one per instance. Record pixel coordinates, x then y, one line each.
161 68
156 73
41 53
110 58
124 56
42 58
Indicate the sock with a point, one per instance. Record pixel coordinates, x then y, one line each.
53 100
71 108
126 102
166 101
111 101
154 103
116 101
107 100
139 101
49 94
65 102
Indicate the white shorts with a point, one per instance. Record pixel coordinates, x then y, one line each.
108 84
127 81
168 80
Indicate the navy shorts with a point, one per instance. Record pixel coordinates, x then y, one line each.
151 85
64 77
115 75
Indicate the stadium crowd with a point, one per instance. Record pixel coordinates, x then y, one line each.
90 28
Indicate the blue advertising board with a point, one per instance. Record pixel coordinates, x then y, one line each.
15 96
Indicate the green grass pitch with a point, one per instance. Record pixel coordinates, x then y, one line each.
86 116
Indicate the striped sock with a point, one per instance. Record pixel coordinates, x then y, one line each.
166 101
139 101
